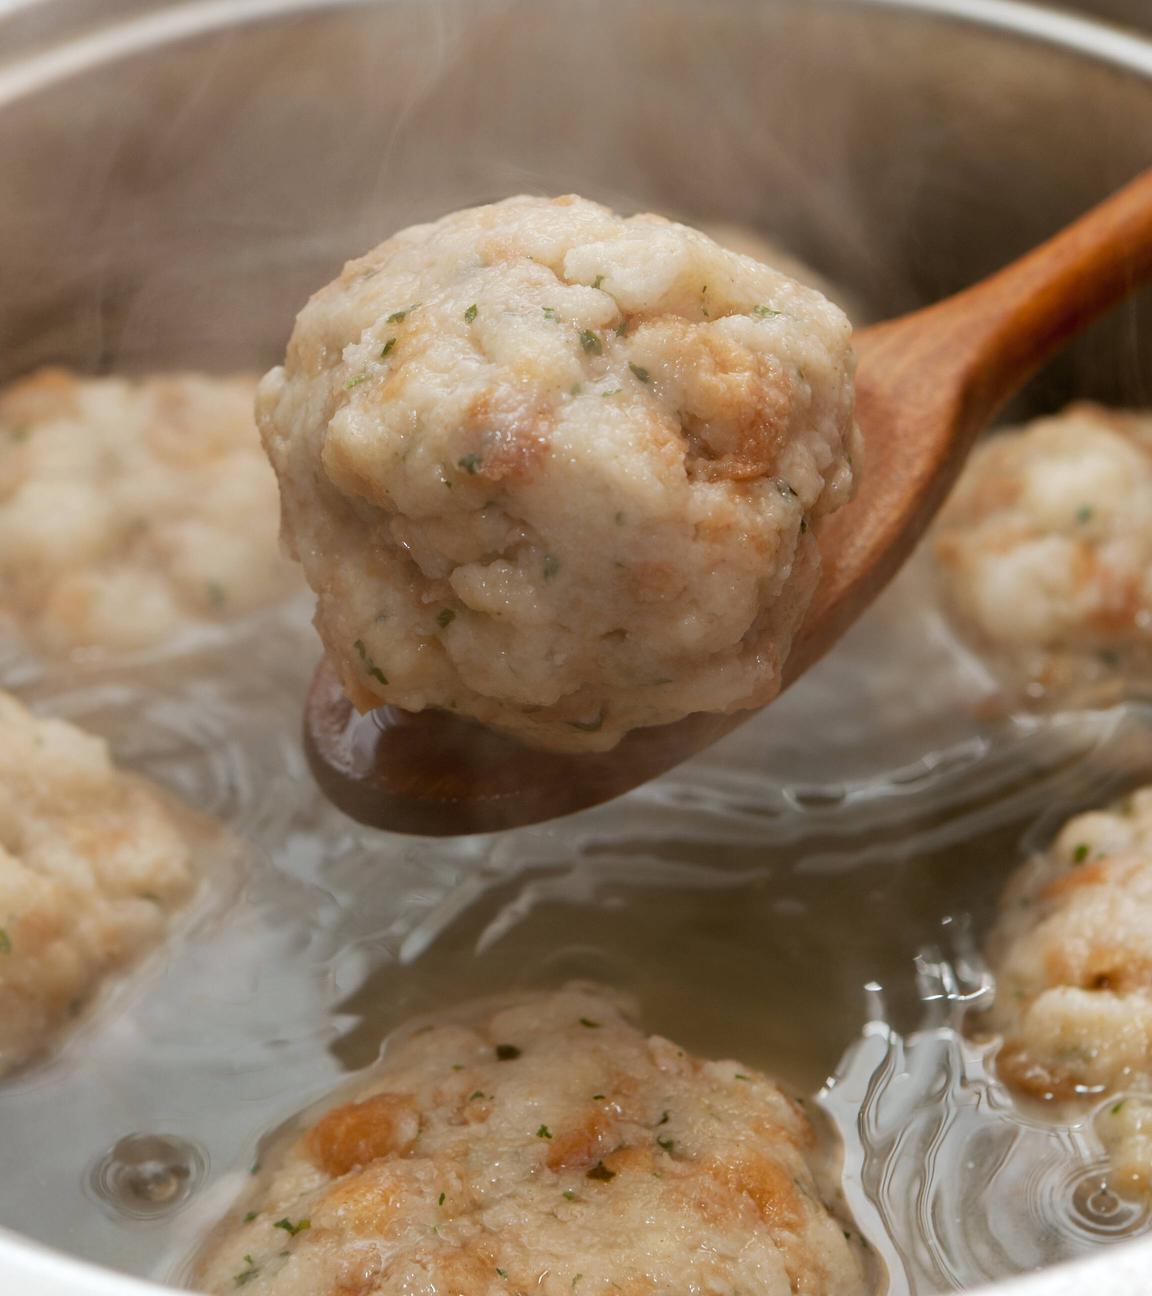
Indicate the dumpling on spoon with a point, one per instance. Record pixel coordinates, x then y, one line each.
560 470
753 243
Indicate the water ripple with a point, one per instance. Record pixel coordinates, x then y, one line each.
953 1183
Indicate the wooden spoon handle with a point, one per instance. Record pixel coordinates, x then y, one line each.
1050 294
929 382
1001 330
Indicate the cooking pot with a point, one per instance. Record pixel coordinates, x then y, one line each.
1134 13
179 177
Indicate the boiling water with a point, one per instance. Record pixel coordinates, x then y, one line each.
809 896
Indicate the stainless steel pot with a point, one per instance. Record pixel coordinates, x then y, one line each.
1132 13
178 177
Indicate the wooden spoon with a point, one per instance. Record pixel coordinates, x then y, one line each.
927 384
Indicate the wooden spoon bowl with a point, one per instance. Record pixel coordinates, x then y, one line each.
926 385
438 775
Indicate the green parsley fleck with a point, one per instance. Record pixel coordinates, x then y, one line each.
1117 1108
551 566
588 726
591 343
440 1201
569 1194
622 328
398 317
667 1144
355 382
502 1272
507 1052
471 313
641 373
445 617
765 312
470 463
5 941
292 1229
598 1097
387 347
614 392
587 1021
246 1275
476 1093
601 1173
1084 514
544 1132
549 312
250 1216
597 281
1080 854
738 1076
369 665
576 1280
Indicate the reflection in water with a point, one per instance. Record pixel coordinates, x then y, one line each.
745 901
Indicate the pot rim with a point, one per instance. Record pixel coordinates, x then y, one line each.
1103 41
36 1269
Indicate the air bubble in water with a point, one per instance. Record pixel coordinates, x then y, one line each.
144 1176
1099 1210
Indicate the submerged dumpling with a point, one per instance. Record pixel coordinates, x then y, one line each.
133 508
93 863
1073 953
552 1148
1045 555
559 470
